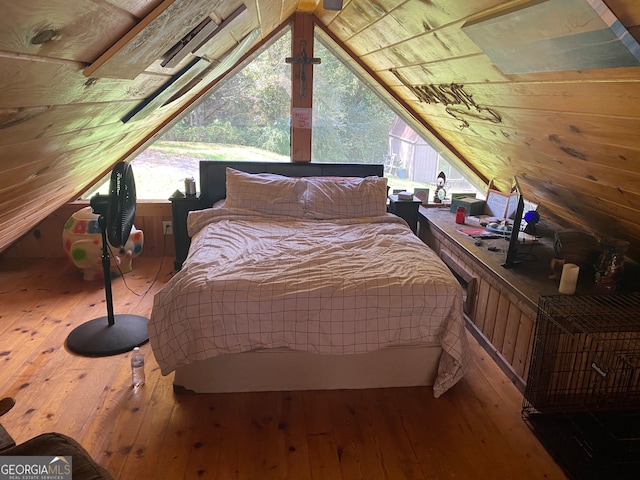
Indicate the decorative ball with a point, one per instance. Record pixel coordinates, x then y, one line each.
82 242
532 217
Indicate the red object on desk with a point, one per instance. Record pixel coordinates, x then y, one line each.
461 215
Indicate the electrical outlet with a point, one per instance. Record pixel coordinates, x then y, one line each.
167 227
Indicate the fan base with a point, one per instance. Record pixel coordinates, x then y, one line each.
96 338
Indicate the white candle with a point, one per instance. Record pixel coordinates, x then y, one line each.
569 278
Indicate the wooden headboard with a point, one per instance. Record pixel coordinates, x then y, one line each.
213 173
213 187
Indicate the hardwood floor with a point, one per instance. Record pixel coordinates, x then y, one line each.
474 431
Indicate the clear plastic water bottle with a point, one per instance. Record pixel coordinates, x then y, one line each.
137 368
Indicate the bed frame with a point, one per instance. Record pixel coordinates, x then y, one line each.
213 174
285 369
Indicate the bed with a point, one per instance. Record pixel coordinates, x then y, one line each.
297 278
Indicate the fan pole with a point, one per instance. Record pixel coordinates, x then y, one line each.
106 271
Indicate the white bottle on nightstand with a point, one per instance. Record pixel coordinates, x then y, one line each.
137 368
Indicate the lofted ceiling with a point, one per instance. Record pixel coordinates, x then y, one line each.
498 100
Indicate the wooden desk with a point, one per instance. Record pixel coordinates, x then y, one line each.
501 305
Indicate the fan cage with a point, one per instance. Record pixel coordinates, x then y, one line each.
121 210
582 398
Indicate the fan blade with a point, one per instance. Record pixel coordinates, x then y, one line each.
121 208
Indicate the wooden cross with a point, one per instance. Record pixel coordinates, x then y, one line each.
303 60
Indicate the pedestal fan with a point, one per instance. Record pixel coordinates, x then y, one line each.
112 334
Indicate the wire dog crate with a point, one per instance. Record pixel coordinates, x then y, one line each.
582 397
586 354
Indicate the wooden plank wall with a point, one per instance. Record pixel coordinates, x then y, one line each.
61 130
569 136
44 240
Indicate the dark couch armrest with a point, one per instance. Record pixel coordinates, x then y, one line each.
56 444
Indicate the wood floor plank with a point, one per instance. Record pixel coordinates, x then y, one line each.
324 457
504 411
403 462
266 444
434 437
296 435
174 462
205 435
237 432
351 444
473 431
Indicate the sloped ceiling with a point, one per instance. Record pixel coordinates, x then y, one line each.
570 135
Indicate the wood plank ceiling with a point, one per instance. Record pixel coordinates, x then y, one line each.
570 137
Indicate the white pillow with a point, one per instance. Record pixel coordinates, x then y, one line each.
340 197
265 193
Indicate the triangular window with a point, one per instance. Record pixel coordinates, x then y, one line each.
247 117
244 117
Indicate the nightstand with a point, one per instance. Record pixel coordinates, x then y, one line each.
406 209
180 208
